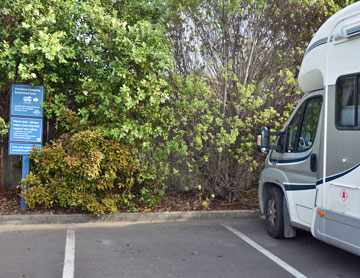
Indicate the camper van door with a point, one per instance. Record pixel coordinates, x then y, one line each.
300 161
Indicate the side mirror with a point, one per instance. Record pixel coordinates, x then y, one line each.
263 140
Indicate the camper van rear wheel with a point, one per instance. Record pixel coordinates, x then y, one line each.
274 212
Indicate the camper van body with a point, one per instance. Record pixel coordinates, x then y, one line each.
316 170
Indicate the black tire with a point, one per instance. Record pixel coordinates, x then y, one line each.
274 213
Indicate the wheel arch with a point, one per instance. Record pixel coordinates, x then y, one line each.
263 191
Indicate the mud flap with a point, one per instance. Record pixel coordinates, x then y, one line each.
289 231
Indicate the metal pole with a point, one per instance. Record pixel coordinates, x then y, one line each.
25 172
2 166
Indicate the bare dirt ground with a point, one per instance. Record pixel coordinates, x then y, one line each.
171 201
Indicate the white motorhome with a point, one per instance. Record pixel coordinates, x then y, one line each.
311 178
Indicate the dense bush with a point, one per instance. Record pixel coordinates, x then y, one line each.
213 151
82 170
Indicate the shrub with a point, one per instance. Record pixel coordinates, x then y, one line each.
81 170
213 150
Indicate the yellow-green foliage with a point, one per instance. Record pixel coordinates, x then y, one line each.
212 149
81 170
3 127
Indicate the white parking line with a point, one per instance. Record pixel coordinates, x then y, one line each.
271 256
69 261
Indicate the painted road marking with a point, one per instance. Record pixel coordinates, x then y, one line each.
69 261
265 252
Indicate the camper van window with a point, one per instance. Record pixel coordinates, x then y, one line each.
346 98
309 124
293 129
303 126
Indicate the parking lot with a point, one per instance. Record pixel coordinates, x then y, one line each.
228 248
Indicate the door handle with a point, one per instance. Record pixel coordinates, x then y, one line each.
313 162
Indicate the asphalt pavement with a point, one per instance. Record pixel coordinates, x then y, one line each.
188 248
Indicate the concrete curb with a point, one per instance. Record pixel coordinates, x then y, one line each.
127 217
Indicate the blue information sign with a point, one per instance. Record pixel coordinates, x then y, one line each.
26 130
26 118
21 149
26 100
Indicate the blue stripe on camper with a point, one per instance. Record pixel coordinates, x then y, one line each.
353 30
298 187
353 33
316 44
320 181
334 177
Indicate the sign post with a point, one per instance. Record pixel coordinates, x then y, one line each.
26 119
24 172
